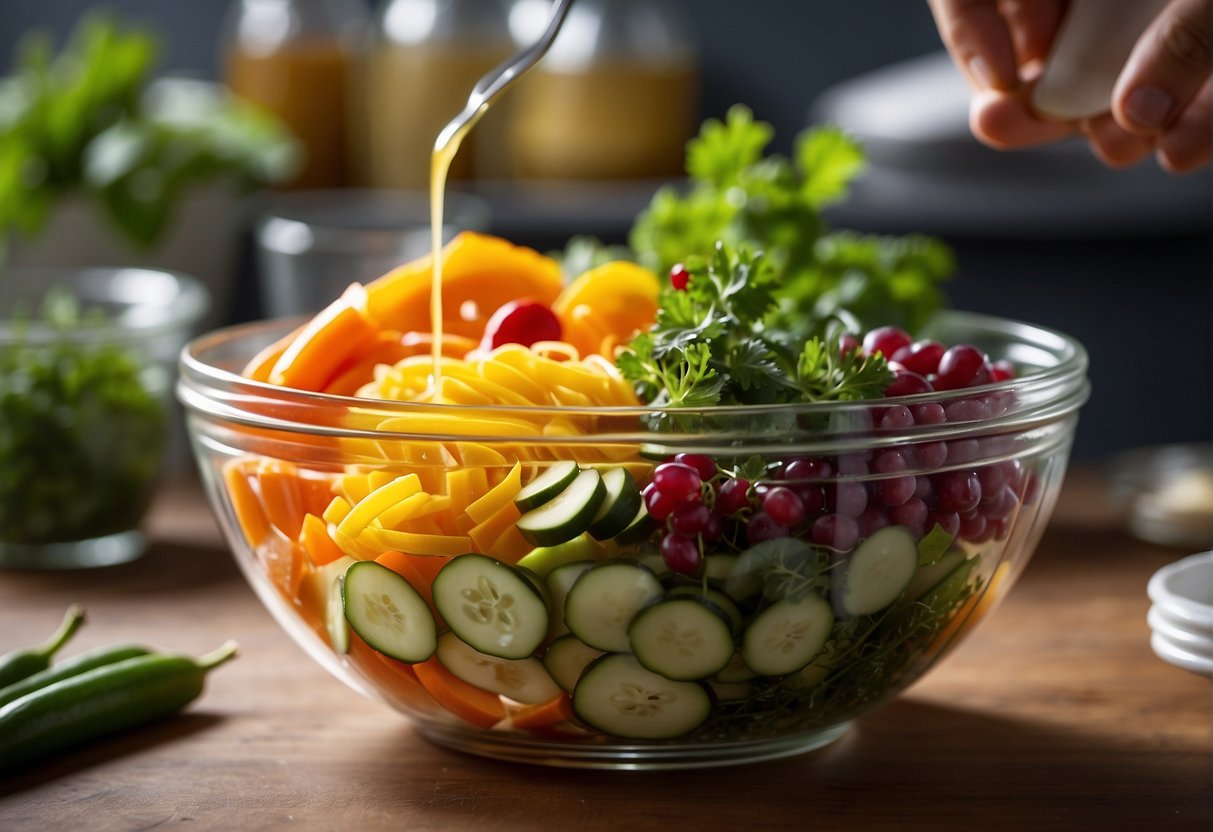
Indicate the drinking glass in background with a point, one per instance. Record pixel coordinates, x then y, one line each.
87 364
298 59
312 245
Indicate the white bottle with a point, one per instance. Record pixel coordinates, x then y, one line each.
1088 54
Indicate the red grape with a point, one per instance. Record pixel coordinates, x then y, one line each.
677 480
836 531
885 340
689 519
762 527
733 496
704 465
681 554
783 506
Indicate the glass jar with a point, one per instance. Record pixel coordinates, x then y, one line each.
617 96
296 58
427 57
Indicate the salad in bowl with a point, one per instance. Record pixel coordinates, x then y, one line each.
658 514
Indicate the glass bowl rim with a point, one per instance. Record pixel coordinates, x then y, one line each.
212 391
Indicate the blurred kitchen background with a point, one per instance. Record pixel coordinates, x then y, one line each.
1122 260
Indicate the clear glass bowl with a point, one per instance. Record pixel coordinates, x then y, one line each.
271 456
84 418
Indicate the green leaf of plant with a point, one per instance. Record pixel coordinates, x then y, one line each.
828 160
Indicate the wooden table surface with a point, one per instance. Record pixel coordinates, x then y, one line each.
1055 714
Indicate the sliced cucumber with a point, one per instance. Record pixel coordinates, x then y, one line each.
715 599
566 515
787 635
639 530
387 613
334 618
493 607
559 581
605 599
523 680
928 576
566 658
875 574
543 559
546 486
683 638
619 505
618 696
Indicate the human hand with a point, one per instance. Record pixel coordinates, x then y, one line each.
1162 101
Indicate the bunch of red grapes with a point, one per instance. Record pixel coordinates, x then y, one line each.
836 502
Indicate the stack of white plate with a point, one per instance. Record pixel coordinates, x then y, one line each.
1181 616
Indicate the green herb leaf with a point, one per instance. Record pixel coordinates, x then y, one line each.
828 160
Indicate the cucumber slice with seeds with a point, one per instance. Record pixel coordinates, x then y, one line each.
605 599
566 515
683 638
387 613
493 607
876 573
787 635
523 680
619 506
618 696
546 486
566 658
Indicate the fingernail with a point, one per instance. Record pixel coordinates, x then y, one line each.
980 72
1149 106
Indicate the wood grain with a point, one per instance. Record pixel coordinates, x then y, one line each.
1054 715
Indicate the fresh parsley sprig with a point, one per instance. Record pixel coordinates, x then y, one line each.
737 195
712 344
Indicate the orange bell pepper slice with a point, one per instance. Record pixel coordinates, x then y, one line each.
479 275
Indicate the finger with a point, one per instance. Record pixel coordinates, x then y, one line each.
1112 144
977 38
1004 121
1033 25
1186 146
1166 68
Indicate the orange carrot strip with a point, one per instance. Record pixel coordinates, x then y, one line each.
394 680
406 567
250 515
468 702
529 717
262 363
281 500
334 337
314 535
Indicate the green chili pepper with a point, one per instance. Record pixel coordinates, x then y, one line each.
71 667
102 701
19 664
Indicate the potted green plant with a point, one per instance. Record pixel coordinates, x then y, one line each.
103 164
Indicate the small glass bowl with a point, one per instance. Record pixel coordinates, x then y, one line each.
275 461
86 369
